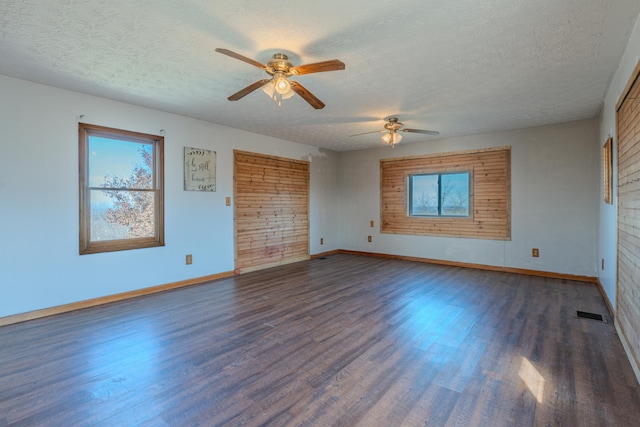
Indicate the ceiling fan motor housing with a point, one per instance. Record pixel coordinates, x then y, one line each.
393 124
279 63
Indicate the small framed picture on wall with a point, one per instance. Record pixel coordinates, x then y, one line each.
607 166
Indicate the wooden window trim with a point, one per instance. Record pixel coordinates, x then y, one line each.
468 170
90 247
490 194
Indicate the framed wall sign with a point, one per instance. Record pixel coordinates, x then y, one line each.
199 169
607 166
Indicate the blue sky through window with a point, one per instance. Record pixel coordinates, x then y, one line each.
112 157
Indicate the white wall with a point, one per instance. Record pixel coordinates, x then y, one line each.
39 262
608 220
554 201
555 176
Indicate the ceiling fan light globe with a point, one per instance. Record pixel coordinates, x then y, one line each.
282 86
391 138
269 89
288 94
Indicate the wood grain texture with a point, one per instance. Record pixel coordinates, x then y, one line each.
342 341
271 216
540 273
490 194
628 275
93 302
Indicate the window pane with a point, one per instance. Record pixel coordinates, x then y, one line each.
424 195
121 189
120 164
454 194
120 214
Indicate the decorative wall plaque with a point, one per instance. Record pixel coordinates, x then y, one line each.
199 169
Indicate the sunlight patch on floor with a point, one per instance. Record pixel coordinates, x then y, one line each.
532 378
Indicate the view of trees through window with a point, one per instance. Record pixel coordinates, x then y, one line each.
121 189
444 194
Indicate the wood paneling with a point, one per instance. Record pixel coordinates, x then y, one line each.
271 211
342 341
490 194
628 150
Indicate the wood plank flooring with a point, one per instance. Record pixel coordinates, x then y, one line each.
342 341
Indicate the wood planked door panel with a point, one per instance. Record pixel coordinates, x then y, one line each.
628 150
271 211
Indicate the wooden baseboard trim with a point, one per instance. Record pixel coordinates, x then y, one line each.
549 274
37 314
45 312
324 254
612 314
270 265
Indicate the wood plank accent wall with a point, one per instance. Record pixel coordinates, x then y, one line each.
628 281
271 211
490 194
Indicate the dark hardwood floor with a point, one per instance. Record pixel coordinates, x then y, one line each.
344 341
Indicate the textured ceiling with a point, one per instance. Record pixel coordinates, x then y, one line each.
460 67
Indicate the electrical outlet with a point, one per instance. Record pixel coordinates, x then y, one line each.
603 263
371 223
322 241
535 252
369 239
189 259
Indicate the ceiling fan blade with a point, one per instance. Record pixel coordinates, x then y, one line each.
247 90
318 67
240 57
428 132
307 96
366 133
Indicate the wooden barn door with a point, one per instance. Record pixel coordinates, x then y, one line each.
628 287
271 211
